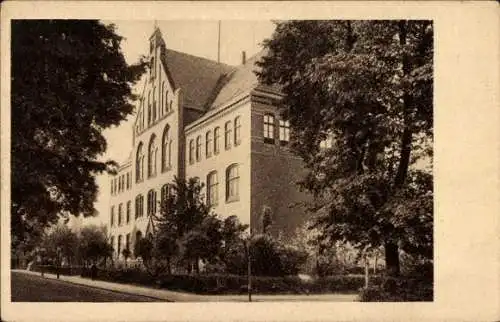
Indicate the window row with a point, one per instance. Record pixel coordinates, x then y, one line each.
121 213
232 185
124 243
151 206
270 129
121 183
154 111
232 136
152 155
232 194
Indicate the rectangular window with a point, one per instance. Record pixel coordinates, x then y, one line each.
216 140
119 214
128 181
128 211
191 152
227 135
151 202
232 183
112 216
127 241
237 131
284 131
269 128
139 206
213 189
208 144
111 184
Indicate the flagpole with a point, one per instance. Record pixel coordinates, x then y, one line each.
218 42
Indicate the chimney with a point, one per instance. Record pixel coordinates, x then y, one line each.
243 57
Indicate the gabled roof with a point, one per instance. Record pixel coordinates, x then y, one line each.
197 77
242 80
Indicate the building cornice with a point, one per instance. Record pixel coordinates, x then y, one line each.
217 113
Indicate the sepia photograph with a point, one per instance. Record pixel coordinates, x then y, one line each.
150 168
272 160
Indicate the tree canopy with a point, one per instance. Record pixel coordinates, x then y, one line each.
70 81
359 98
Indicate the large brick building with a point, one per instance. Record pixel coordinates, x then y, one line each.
200 118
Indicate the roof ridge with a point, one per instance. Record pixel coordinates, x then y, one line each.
199 57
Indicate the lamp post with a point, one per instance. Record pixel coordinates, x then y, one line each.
58 260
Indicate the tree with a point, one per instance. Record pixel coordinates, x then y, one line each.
179 223
93 244
69 82
358 95
63 238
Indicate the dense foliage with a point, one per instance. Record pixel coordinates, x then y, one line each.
88 245
69 82
358 95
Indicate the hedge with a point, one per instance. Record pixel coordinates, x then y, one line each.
403 289
234 284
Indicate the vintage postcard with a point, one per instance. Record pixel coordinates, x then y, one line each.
250 161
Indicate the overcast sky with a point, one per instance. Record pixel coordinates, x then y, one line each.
195 37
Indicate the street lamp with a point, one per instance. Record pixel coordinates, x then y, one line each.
58 259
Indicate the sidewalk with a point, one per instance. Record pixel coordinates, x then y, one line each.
173 296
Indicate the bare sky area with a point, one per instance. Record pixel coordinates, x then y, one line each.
195 37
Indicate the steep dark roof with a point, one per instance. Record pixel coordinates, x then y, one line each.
242 80
197 77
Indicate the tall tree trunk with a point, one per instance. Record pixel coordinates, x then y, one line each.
392 258
391 247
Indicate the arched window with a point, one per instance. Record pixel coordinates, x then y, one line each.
151 202
129 206
139 206
198 148
232 183
269 128
237 130
120 214
152 152
166 144
208 145
191 152
212 189
216 140
227 135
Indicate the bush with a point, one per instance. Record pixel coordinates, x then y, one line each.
403 289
